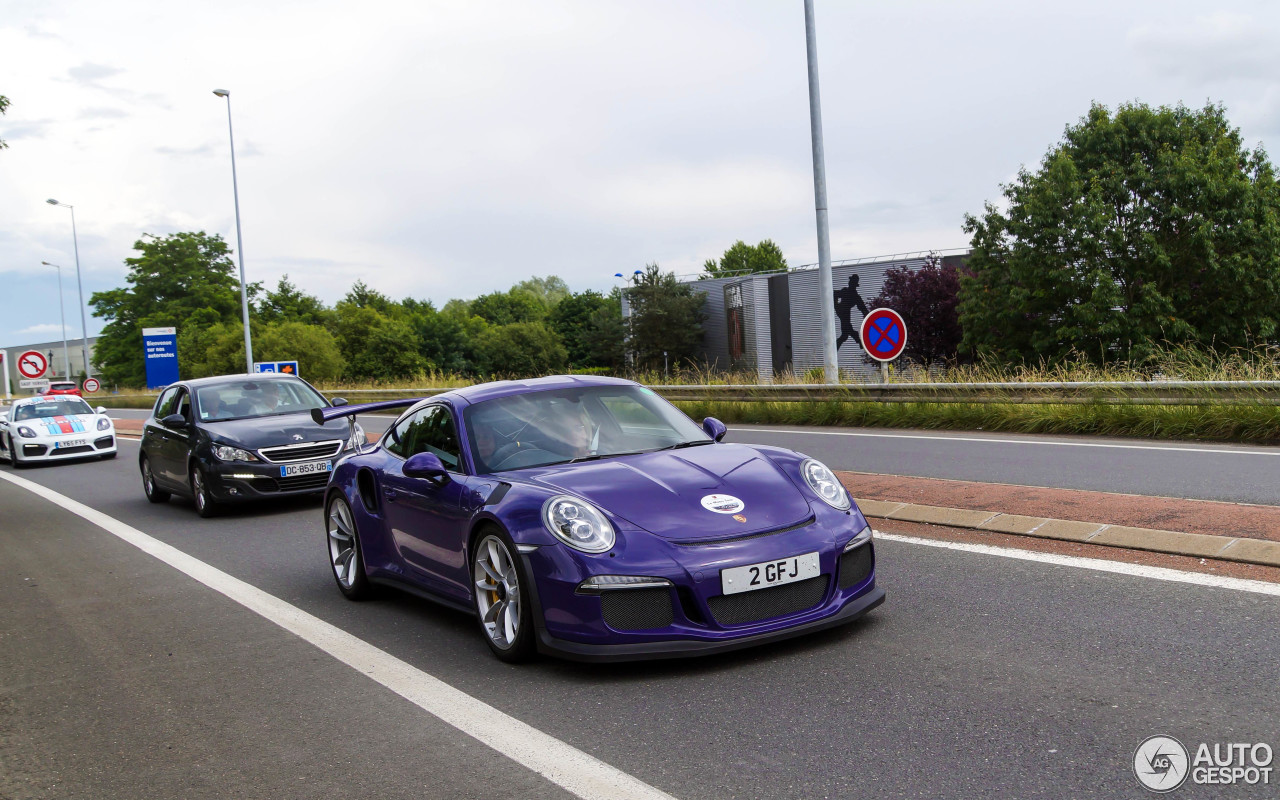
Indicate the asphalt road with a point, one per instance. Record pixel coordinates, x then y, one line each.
1233 473
981 676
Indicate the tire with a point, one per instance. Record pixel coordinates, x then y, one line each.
206 506
500 583
14 458
7 441
153 492
346 557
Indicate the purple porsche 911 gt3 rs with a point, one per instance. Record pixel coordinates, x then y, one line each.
589 518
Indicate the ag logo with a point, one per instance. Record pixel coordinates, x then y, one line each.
1160 763
723 503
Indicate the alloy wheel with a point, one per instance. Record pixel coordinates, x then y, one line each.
498 596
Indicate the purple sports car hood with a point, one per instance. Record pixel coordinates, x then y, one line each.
686 495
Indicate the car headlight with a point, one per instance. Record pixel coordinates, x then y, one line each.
578 524
104 424
357 436
225 453
824 484
25 432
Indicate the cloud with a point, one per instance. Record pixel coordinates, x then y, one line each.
1219 47
92 74
102 113
47 329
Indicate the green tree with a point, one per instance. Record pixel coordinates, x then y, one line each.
4 106
445 337
504 308
1149 226
927 299
313 347
374 345
666 316
288 303
607 339
183 280
572 318
521 349
549 290
744 259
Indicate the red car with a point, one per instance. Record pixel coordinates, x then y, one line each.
62 387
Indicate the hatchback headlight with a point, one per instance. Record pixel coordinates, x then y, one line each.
824 484
25 432
578 524
225 453
104 423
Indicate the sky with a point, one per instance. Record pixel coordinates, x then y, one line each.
448 149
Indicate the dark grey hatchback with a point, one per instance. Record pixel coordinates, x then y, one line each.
239 437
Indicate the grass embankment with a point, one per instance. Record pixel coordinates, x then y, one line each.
1210 421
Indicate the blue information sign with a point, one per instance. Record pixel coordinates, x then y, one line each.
265 366
160 346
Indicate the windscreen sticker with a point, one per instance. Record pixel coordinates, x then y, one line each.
723 503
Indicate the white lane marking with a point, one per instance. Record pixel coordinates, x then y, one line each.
1259 452
576 771
1098 564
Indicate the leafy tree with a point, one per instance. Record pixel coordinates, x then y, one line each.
183 280
927 299
4 106
313 347
446 337
211 349
504 308
361 296
606 342
549 290
521 349
744 259
374 345
572 320
288 303
1147 226
665 316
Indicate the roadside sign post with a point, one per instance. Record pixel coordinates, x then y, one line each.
276 367
32 364
883 335
4 374
160 349
91 385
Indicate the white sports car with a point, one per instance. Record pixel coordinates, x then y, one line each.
55 428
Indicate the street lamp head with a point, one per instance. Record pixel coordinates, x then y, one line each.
47 264
51 201
617 274
222 92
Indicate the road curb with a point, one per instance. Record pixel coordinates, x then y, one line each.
1195 545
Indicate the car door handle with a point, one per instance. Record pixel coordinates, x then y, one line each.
389 493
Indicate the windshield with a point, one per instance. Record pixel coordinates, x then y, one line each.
53 407
244 398
556 427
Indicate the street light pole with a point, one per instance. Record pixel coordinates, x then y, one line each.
62 311
826 293
84 320
235 192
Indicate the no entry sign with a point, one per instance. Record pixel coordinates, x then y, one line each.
883 334
91 385
32 364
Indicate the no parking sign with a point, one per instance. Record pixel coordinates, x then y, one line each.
883 334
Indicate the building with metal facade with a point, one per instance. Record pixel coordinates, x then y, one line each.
771 323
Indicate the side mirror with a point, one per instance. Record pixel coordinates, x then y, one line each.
174 421
100 410
339 402
426 465
714 428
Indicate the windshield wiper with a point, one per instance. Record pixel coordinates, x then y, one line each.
598 456
680 445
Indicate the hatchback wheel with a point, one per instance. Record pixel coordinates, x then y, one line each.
154 493
205 505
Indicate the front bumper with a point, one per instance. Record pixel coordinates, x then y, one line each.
44 448
692 616
239 481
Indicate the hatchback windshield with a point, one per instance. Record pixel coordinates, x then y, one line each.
53 407
541 428
249 398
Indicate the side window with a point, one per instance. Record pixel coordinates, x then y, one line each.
167 403
184 405
430 430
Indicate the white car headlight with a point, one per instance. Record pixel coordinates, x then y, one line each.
824 484
578 524
225 453
25 432
104 423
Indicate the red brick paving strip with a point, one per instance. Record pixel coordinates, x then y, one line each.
1139 511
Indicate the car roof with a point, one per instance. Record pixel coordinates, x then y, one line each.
57 398
262 377
495 389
